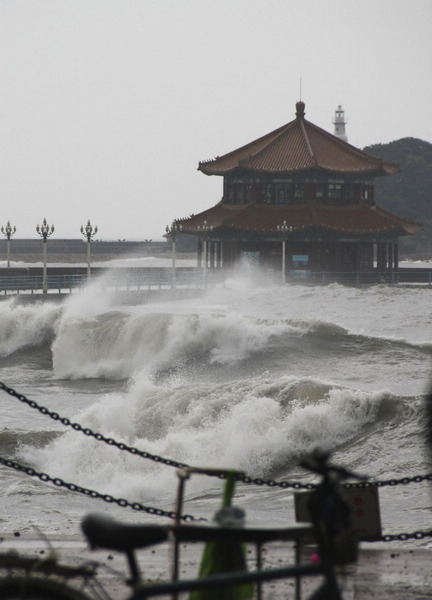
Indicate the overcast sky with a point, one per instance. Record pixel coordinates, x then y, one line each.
106 107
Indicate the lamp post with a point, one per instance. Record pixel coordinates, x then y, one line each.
8 231
172 232
89 233
205 235
45 232
284 229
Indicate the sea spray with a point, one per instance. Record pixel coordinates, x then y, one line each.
246 377
247 425
27 326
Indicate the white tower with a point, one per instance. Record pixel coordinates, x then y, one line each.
339 123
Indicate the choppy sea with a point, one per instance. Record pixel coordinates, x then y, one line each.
251 376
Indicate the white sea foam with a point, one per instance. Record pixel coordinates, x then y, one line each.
260 426
26 326
241 377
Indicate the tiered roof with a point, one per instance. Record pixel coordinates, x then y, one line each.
352 219
298 146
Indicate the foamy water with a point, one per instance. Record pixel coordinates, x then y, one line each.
249 377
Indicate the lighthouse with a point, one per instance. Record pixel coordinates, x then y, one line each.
339 124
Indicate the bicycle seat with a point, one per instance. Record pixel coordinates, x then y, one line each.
106 532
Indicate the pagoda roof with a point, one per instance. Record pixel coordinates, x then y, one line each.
352 219
298 146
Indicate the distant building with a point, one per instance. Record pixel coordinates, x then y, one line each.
339 124
308 189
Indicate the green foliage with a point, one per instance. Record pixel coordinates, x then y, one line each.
409 192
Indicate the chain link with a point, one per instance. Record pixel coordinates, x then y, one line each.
173 463
137 506
57 481
87 431
401 537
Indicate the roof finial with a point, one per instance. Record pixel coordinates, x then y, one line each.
300 110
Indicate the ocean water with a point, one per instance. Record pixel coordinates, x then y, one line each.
251 376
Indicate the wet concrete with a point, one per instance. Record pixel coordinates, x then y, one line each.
385 574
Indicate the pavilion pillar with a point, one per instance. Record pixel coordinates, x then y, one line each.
390 256
381 256
210 248
213 250
219 255
199 254
396 255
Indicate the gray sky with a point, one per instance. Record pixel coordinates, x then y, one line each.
108 106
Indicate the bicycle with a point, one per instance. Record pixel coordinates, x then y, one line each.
329 521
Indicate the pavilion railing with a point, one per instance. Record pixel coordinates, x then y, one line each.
375 277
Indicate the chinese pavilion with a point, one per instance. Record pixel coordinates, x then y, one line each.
308 189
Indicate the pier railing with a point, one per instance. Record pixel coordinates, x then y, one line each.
149 279
18 284
63 282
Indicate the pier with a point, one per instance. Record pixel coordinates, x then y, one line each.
141 284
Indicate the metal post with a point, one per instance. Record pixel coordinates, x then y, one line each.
89 233
205 262
284 229
283 262
45 278
206 231
8 231
45 232
172 232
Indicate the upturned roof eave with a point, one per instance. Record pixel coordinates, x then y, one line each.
299 131
243 219
242 168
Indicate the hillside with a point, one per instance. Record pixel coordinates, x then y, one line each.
409 192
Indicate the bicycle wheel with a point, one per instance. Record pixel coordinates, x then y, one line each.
36 588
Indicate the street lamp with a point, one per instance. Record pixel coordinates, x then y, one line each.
284 229
8 231
172 232
205 235
45 231
89 233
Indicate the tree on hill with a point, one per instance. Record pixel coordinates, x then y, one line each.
409 192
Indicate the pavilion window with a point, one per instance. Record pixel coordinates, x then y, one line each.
266 193
283 194
239 196
319 193
298 192
349 194
367 194
334 193
230 193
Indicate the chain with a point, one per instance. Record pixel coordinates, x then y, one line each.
137 506
401 537
389 482
88 432
173 463
57 481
